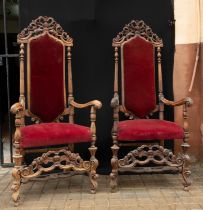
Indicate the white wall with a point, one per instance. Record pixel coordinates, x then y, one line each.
189 21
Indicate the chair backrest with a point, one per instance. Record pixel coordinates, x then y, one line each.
45 45
138 46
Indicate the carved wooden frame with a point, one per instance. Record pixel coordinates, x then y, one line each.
132 161
62 158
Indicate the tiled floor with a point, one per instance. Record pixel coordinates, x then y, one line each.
135 192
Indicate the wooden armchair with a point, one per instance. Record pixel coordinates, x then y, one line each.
46 50
139 47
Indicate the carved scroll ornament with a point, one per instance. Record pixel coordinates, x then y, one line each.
150 154
42 24
134 28
62 159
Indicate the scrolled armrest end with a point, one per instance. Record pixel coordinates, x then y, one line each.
15 108
115 101
188 101
97 104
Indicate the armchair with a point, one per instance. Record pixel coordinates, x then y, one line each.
136 48
46 50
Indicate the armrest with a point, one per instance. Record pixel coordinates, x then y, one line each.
187 101
17 107
97 104
115 101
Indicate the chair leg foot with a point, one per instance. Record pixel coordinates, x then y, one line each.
92 174
186 173
93 182
114 172
113 181
16 186
185 170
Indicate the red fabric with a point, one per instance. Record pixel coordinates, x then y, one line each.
46 78
50 134
139 78
148 129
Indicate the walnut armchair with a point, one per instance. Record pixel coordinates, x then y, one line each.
139 47
46 49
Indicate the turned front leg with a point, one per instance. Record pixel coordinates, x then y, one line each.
93 166
93 161
114 165
185 146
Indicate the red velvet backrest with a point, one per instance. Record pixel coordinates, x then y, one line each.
46 65
138 76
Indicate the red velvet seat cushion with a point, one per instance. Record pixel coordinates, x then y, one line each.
148 129
49 134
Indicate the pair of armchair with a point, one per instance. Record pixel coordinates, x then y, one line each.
46 97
